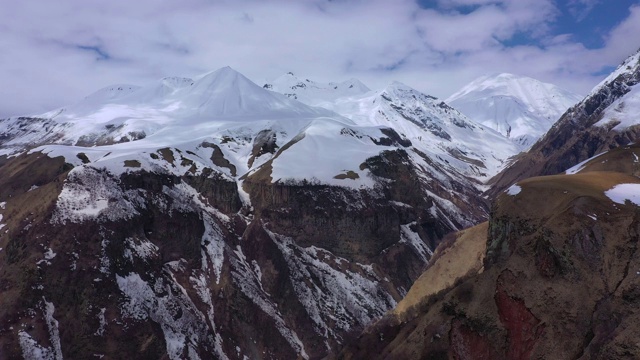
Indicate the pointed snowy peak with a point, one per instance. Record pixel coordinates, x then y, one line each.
226 92
519 107
529 90
356 86
223 77
314 93
397 91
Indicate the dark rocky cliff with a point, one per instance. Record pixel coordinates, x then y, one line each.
177 267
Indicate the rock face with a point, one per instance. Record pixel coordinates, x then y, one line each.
592 126
241 224
167 270
559 277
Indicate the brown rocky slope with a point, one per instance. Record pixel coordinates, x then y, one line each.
560 279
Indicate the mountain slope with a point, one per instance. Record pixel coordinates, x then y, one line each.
452 141
521 108
590 127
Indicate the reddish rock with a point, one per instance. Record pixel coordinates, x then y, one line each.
523 328
467 344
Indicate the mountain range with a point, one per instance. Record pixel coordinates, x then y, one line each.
199 213
214 217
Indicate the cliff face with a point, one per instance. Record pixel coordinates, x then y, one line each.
153 264
558 280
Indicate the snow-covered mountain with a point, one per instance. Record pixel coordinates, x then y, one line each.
315 93
448 137
435 128
212 216
521 108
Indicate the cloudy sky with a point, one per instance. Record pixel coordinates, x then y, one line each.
53 53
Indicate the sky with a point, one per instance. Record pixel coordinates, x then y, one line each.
54 53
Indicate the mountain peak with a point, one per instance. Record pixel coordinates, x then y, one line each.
507 75
400 91
226 92
607 118
314 93
223 75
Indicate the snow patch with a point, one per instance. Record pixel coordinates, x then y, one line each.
167 304
578 167
513 190
212 246
623 192
142 248
48 255
3 206
412 238
52 325
31 350
103 322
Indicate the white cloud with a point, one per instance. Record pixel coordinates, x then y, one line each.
54 53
